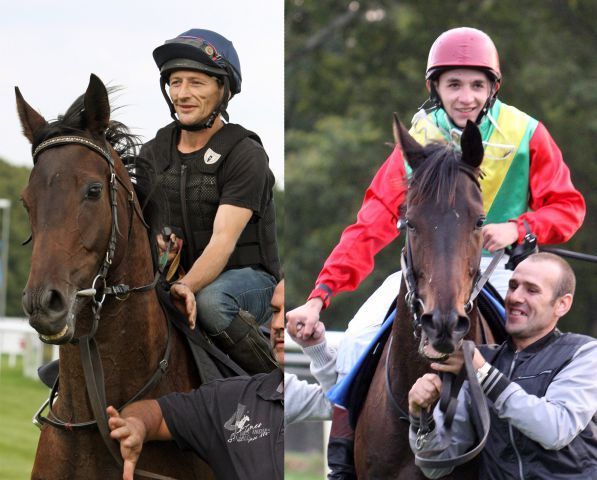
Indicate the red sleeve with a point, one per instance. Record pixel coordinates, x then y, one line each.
557 208
352 259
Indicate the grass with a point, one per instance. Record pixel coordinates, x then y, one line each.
20 398
303 466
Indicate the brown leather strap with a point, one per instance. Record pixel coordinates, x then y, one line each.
480 420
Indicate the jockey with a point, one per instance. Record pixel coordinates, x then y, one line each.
526 187
219 189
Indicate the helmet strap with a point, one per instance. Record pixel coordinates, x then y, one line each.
219 110
489 102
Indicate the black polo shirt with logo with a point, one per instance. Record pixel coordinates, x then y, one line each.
234 424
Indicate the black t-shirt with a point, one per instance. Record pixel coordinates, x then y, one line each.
245 179
235 424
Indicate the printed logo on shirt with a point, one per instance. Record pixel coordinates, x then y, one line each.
242 429
211 157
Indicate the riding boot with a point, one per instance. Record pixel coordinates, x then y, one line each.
245 344
341 447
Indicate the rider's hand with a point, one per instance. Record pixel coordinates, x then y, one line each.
302 320
130 432
316 338
163 246
424 393
499 235
183 298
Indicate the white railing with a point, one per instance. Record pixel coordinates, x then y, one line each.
17 338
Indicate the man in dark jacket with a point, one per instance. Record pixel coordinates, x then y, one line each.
217 189
540 385
235 424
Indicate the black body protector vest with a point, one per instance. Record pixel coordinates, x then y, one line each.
193 193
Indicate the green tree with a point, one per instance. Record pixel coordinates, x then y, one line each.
12 181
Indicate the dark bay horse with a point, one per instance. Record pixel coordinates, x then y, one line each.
88 239
443 220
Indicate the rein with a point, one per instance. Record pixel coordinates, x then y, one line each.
90 355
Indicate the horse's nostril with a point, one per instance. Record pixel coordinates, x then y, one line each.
54 301
462 325
427 322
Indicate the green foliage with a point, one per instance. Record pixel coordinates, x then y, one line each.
350 64
12 182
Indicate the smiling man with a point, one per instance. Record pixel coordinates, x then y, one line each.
540 384
208 181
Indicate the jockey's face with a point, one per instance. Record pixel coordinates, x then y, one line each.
463 93
277 326
194 95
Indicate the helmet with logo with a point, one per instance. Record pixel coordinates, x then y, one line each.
203 51
463 47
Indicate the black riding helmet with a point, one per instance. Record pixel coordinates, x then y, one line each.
204 51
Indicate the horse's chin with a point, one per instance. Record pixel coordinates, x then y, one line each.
63 336
427 351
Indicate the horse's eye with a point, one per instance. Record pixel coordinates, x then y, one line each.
480 222
409 224
94 191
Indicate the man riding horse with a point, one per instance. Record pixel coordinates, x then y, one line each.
217 188
526 188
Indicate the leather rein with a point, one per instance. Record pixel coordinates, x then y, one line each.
451 383
90 355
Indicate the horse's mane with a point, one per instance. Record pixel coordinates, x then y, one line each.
437 175
73 123
126 144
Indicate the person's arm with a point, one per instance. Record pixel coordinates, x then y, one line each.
557 207
304 401
566 409
229 223
351 261
323 364
137 423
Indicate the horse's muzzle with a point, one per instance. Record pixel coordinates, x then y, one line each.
48 313
445 330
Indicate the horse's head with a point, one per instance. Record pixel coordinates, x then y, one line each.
69 201
443 221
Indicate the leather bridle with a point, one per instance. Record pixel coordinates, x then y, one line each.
90 356
451 384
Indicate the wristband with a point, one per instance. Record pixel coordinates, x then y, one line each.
483 372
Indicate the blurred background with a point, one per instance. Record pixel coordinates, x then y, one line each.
350 64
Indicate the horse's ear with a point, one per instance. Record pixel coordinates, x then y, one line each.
97 106
413 152
472 145
31 121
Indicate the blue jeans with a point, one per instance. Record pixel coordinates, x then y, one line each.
247 289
